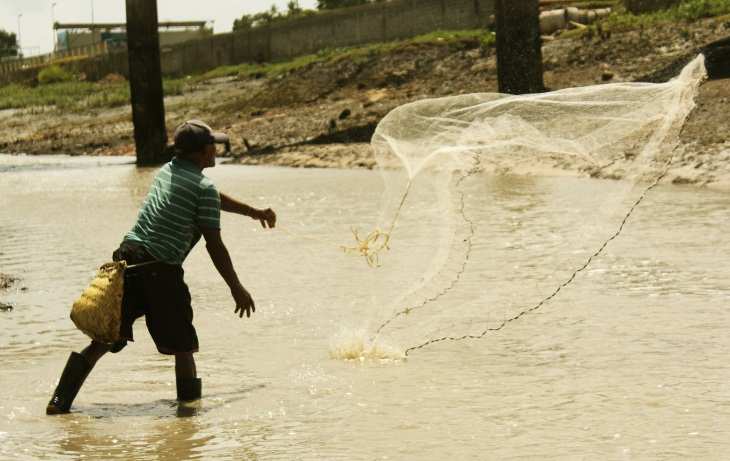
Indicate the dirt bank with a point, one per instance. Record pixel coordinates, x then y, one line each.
323 114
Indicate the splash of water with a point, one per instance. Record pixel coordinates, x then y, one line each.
356 345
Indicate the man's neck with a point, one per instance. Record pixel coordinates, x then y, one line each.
195 162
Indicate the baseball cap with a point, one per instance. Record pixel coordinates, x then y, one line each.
193 135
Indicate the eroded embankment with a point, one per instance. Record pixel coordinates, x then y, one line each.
322 114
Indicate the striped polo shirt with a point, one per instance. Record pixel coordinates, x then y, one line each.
180 202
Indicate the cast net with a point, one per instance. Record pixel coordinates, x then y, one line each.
462 196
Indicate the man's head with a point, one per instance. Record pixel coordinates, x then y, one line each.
195 141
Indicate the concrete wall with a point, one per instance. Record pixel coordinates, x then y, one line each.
171 37
167 37
80 39
379 22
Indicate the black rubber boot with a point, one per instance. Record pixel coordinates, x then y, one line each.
189 389
73 376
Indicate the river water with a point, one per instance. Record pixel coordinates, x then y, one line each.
628 362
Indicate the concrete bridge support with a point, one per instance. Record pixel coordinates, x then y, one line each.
145 81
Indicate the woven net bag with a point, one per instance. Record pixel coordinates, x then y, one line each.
98 312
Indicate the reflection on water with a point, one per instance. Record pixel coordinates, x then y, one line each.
18 163
627 363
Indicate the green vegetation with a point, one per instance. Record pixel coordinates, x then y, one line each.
74 95
486 38
358 54
293 11
591 4
57 88
8 44
60 89
54 74
335 4
685 11
271 16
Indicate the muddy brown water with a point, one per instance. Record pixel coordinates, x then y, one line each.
629 362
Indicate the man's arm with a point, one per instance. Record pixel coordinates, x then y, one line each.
222 262
231 205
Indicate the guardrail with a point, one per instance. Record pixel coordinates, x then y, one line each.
58 57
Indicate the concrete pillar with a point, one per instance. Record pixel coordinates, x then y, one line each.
519 47
145 82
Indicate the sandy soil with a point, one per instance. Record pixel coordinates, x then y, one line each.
323 115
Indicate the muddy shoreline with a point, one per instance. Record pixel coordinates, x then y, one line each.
322 115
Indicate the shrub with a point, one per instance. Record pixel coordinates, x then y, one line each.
684 10
54 74
696 9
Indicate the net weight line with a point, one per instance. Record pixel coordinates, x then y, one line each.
467 253
560 287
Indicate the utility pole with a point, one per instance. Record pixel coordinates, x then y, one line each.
519 47
17 43
145 82
93 31
53 25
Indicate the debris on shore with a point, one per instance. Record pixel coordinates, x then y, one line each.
6 282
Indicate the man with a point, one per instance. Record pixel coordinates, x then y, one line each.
181 206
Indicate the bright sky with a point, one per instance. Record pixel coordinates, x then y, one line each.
36 35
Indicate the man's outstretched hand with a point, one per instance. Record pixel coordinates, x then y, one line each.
267 218
244 302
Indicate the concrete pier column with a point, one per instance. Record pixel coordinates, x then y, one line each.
519 47
145 82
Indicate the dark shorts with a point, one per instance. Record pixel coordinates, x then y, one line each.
159 293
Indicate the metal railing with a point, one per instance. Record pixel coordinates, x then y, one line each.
58 57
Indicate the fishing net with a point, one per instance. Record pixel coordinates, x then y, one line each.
464 191
98 311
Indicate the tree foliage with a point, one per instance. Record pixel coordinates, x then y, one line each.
293 10
270 16
245 22
334 4
8 44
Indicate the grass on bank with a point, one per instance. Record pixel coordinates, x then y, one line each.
684 11
58 88
80 95
75 96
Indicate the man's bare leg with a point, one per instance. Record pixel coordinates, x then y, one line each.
185 366
94 352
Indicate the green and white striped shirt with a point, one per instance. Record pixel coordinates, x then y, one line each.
181 201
